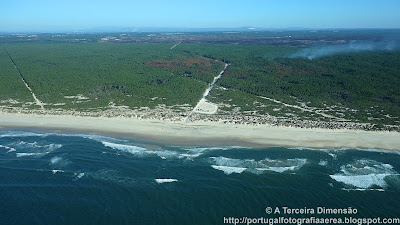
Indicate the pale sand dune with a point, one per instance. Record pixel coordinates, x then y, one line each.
205 107
208 131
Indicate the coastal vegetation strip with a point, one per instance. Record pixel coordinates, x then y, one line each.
298 107
128 74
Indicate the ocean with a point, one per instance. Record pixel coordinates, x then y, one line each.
53 178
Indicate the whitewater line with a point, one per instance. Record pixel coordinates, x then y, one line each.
207 92
38 102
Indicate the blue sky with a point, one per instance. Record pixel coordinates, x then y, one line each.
48 15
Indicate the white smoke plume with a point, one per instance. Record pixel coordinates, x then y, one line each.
352 46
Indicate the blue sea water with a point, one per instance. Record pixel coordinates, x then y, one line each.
49 178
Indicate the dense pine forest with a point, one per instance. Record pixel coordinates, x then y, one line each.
268 73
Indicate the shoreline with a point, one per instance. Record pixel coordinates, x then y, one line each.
197 132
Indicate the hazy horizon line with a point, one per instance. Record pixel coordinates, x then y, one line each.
129 29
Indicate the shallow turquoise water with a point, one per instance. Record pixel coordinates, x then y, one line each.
48 178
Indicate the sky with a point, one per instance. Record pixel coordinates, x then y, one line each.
68 15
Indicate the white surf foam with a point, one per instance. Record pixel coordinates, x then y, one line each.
164 154
22 154
48 147
303 148
136 150
165 180
79 175
351 149
202 149
334 156
229 169
280 165
223 161
98 138
189 153
365 174
52 147
57 171
277 169
363 189
257 167
55 160
10 149
323 163
198 151
22 134
140 151
189 156
362 181
33 148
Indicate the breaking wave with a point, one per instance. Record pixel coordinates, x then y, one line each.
57 171
331 151
22 154
365 174
229 169
230 166
10 149
22 134
35 145
165 180
125 148
186 153
197 151
140 151
31 148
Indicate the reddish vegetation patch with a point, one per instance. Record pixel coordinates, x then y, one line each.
282 69
199 64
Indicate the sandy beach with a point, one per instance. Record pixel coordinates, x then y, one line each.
207 132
